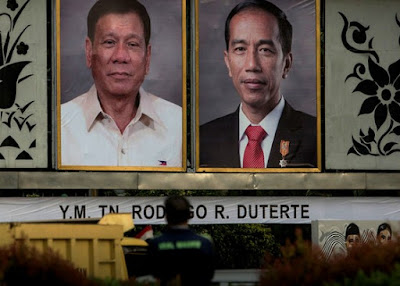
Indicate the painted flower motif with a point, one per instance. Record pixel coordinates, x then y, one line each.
22 48
12 4
384 92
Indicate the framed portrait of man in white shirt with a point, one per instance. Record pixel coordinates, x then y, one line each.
121 85
258 86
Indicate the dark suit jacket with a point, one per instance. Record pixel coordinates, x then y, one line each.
219 141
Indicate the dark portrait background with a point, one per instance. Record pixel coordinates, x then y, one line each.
217 95
165 77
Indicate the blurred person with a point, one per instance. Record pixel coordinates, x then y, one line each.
384 233
352 236
179 255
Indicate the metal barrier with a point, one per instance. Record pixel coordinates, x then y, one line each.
236 277
225 277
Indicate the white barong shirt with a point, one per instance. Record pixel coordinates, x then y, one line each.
90 137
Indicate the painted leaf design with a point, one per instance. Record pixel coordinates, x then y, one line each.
371 132
394 71
352 151
8 83
388 146
380 115
394 110
361 149
370 137
367 87
369 105
378 73
396 130
397 96
359 37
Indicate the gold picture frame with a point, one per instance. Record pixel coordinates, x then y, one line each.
71 33
214 85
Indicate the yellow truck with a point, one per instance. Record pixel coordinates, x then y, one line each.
97 248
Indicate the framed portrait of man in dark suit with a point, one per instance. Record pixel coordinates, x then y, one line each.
258 91
121 85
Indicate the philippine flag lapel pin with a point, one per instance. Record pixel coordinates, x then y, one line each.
162 163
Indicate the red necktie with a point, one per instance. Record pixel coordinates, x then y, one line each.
253 154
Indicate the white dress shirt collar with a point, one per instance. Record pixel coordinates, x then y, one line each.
93 109
269 123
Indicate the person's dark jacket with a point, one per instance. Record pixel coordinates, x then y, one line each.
180 252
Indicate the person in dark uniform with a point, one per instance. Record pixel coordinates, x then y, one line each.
180 255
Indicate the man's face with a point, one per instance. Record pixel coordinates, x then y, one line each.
118 56
255 59
352 240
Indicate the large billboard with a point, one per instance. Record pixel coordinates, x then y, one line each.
207 95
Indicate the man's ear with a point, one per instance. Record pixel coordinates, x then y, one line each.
226 58
89 52
288 64
148 58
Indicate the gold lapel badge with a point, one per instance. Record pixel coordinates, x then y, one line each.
284 150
